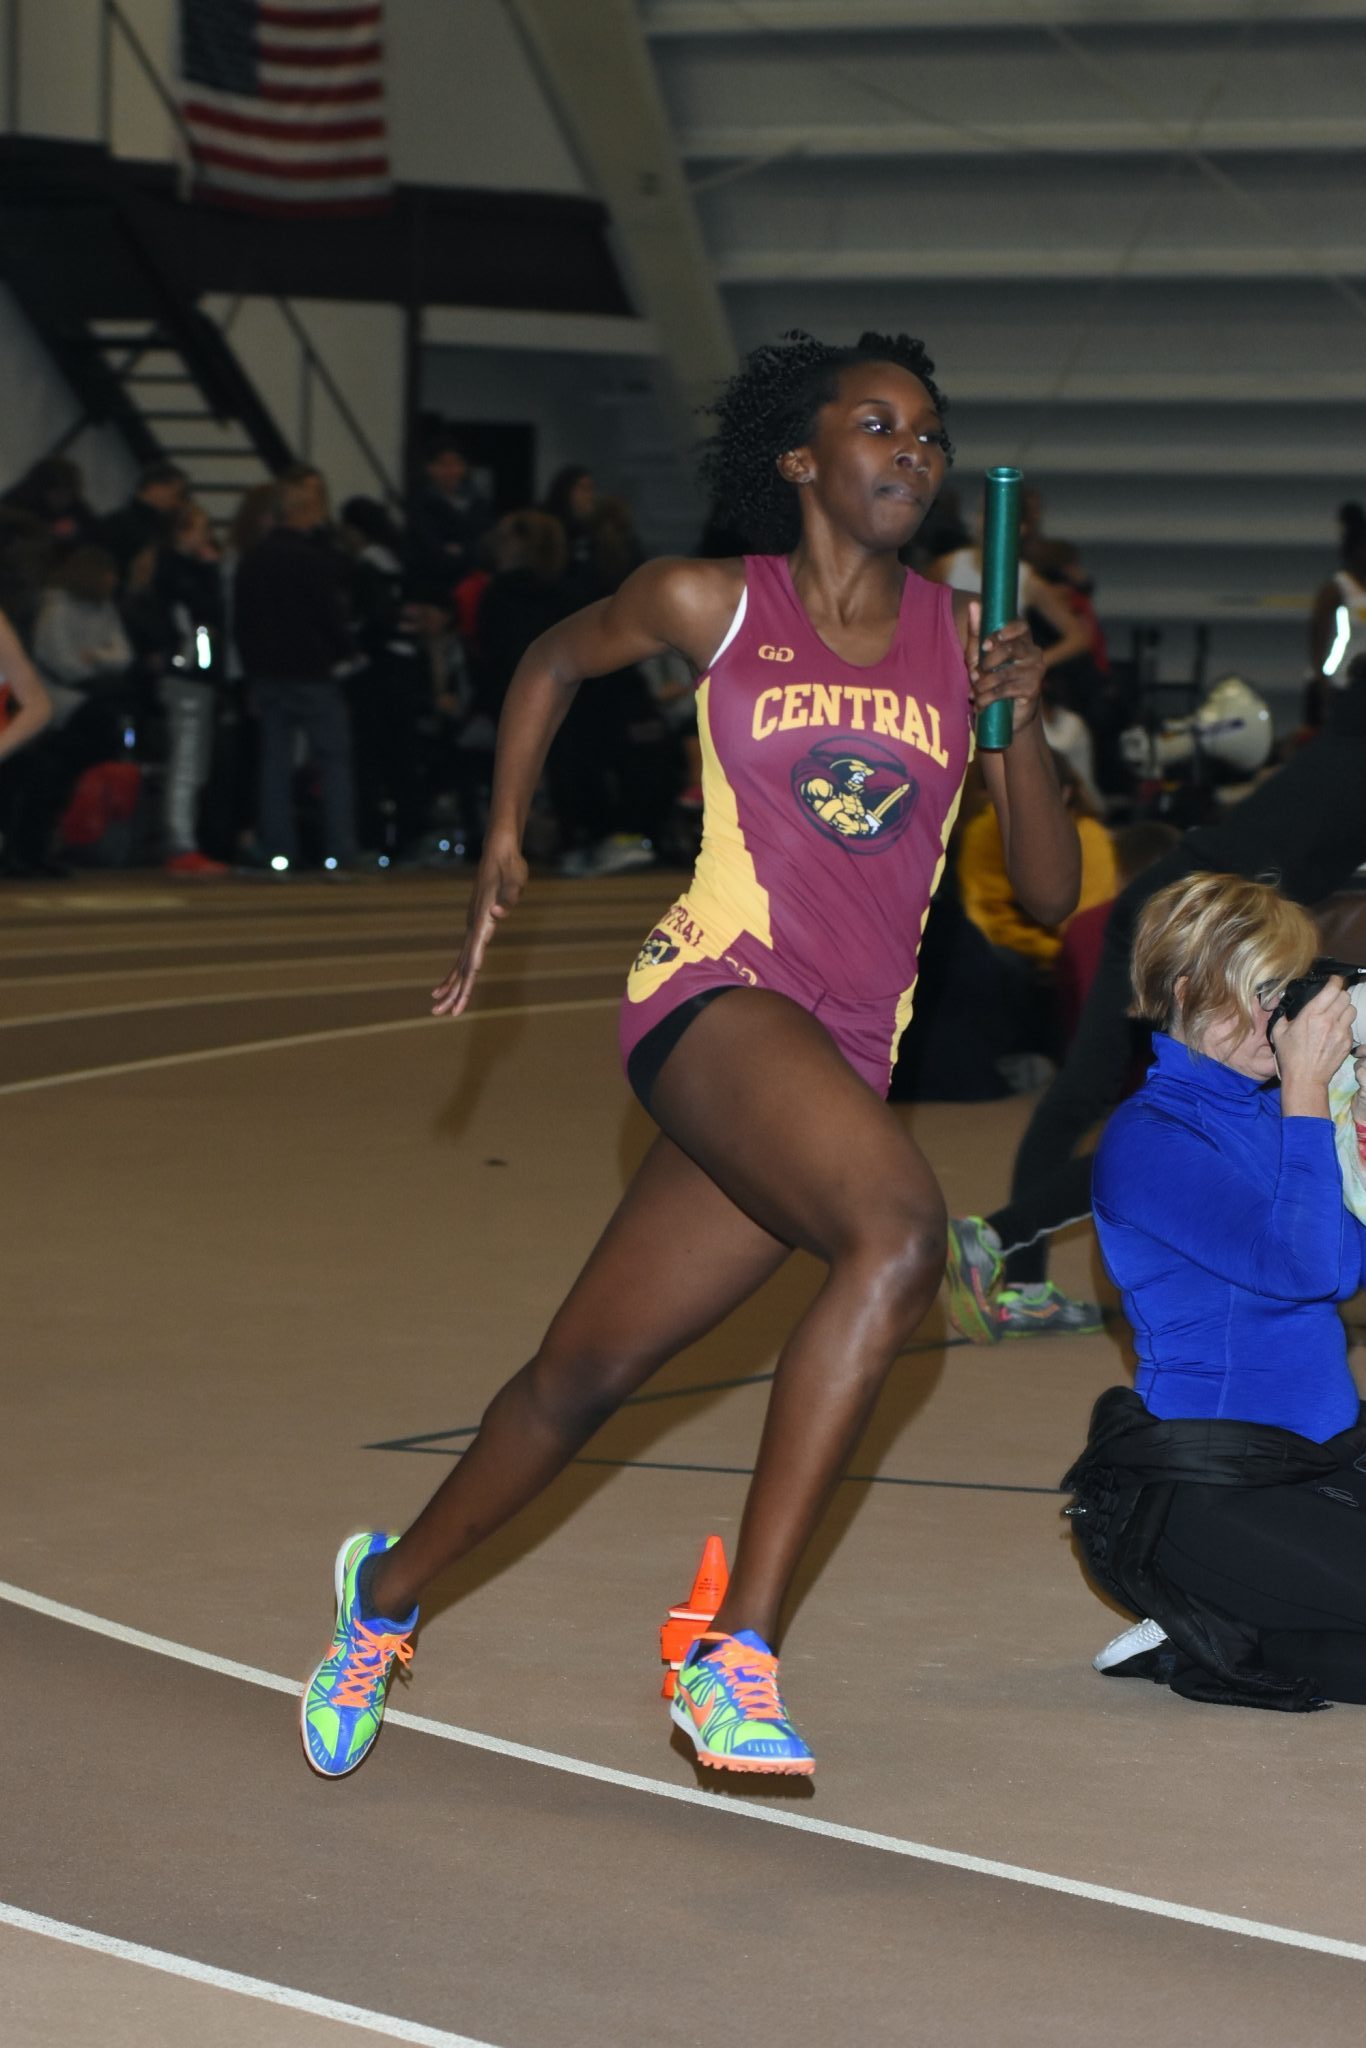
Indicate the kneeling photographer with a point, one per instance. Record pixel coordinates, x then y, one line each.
1224 1499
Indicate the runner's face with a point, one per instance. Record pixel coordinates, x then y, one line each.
878 455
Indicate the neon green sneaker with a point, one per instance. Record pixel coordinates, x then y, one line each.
726 1702
343 1704
972 1268
1043 1310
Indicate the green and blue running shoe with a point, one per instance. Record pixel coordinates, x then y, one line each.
1043 1310
971 1271
344 1703
726 1702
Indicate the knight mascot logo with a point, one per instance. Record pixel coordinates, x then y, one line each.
855 794
657 951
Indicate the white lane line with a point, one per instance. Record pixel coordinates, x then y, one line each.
254 1045
711 1802
321 961
385 2023
318 991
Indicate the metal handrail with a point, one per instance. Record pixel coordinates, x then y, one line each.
113 17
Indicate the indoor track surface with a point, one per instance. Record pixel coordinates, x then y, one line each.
272 1238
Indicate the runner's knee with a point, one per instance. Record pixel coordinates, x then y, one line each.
576 1389
899 1258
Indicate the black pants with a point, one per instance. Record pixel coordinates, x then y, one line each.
1289 1560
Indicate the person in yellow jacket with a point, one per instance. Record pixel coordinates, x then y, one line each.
985 887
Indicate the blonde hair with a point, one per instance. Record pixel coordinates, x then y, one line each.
1227 938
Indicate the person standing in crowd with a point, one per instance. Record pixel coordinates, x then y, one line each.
962 570
1063 636
391 694
524 597
573 500
761 1015
192 592
614 768
146 520
1337 623
236 788
448 517
290 621
1306 824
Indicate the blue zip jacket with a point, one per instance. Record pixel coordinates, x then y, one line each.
1223 1224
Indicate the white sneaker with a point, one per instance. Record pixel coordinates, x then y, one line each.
1132 1654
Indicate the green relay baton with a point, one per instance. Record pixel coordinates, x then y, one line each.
1000 588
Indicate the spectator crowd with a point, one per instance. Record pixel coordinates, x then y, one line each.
310 689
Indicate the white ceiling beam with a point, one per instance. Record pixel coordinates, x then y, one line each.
1118 460
597 71
1011 386
763 142
1160 606
667 20
1143 527
602 334
1032 264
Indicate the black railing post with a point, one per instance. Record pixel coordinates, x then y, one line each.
106 74
306 404
13 61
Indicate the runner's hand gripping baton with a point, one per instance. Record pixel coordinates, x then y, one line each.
1000 589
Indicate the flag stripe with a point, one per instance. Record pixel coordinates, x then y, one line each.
302 109
333 58
344 157
311 39
328 167
325 17
304 133
331 95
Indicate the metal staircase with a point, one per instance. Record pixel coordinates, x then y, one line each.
213 427
137 351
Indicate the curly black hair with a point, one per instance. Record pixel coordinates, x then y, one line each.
769 406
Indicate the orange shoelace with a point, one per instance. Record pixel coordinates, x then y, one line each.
367 1663
754 1677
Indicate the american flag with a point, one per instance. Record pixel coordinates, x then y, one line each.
284 103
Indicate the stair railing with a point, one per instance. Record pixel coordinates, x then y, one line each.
115 25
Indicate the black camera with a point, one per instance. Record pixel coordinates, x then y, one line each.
1305 987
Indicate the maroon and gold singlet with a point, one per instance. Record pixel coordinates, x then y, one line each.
829 795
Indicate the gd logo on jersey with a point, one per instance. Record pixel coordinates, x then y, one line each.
858 795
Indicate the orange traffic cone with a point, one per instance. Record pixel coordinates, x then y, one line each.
697 1613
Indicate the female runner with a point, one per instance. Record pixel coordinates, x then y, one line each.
762 1014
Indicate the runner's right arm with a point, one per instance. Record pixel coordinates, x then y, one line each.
671 603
